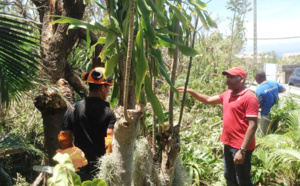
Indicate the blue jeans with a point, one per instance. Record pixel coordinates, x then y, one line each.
236 174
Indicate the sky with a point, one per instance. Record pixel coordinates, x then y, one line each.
275 19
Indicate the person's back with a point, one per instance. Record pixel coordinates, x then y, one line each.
92 118
267 93
91 122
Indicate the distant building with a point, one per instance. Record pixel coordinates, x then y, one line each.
291 55
248 56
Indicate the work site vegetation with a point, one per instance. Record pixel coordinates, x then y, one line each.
151 47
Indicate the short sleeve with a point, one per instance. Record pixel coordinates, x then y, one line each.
260 98
280 87
68 119
112 120
252 107
221 96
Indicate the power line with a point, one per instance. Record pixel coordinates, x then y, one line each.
293 37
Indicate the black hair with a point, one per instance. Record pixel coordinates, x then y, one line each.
261 75
95 87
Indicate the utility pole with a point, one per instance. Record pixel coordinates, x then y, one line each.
255 37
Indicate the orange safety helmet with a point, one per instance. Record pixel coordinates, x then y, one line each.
96 76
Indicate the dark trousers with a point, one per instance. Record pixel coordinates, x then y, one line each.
236 174
87 172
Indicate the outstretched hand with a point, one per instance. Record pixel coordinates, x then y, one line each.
181 89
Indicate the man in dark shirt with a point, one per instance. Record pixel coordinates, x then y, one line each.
90 121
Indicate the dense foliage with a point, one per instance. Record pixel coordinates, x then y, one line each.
275 161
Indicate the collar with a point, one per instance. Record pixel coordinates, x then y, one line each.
264 82
240 93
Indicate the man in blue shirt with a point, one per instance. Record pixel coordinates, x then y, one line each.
267 95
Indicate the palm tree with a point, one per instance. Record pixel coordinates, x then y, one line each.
19 65
18 60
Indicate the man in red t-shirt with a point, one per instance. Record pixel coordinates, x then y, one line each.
240 111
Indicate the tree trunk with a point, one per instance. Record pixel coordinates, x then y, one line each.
124 140
171 148
56 45
170 137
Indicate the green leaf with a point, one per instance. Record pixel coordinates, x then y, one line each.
15 144
165 44
166 31
115 25
1 129
181 16
18 59
185 50
110 65
101 40
188 51
210 22
200 6
110 39
160 5
146 22
88 39
95 182
82 24
161 19
75 179
64 159
203 21
114 96
157 108
100 5
157 54
141 65
200 9
64 172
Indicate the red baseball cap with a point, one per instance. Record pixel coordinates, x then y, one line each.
235 71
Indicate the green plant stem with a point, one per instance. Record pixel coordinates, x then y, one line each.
188 74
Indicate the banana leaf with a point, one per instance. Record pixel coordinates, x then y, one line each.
185 50
146 22
141 65
181 16
157 108
75 23
157 54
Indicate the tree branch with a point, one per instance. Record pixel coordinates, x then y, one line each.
76 82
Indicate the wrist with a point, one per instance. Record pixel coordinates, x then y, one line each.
243 150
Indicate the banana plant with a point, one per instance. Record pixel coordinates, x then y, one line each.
115 42
130 30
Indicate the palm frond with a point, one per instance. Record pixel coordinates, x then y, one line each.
19 60
15 144
288 155
293 120
269 160
273 141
